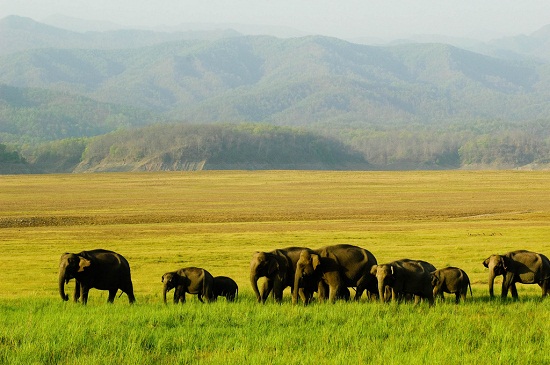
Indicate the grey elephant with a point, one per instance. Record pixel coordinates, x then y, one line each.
192 280
335 267
405 278
520 266
99 269
451 280
278 268
226 287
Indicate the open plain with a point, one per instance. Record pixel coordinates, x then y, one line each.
164 221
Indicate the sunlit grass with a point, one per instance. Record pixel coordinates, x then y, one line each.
164 221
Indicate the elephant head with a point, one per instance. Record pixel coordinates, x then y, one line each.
306 272
385 275
70 266
497 265
435 279
170 281
263 264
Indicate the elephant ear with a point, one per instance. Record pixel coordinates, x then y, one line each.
486 262
83 263
374 269
315 261
273 267
506 263
435 279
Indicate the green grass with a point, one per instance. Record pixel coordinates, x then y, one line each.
46 332
164 221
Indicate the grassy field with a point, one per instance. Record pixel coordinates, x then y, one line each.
164 221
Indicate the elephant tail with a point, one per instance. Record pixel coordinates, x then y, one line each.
470 286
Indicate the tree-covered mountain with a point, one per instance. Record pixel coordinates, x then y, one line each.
400 106
30 116
20 34
302 81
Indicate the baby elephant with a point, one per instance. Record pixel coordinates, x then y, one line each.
192 280
451 280
225 287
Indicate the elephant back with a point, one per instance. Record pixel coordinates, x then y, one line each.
355 262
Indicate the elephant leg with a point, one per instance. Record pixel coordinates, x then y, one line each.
129 290
278 288
267 287
131 297
514 291
333 293
504 292
305 295
112 295
361 287
430 299
85 291
395 295
457 297
76 293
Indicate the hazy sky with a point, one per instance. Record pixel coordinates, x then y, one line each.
387 19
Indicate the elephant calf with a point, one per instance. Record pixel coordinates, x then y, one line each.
405 278
225 287
192 280
451 280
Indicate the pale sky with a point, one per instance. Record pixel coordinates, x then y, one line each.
386 19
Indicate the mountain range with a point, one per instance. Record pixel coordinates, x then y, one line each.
56 83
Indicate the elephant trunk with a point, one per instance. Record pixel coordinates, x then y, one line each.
491 282
254 282
62 280
382 291
164 290
296 288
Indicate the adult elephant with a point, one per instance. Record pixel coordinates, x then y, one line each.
99 269
336 267
277 267
520 266
405 277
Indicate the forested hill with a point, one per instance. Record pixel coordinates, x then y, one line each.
216 147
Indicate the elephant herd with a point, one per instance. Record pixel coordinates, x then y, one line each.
108 270
328 271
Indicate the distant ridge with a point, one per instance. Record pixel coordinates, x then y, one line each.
406 106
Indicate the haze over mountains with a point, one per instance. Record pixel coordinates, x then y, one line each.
410 105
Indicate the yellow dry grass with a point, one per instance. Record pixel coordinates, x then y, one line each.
164 221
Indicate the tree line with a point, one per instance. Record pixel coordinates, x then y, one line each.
261 146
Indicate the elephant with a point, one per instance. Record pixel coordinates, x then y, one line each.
520 266
192 280
99 269
278 268
225 287
334 267
451 280
405 277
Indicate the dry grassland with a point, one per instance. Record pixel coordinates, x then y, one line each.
164 221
